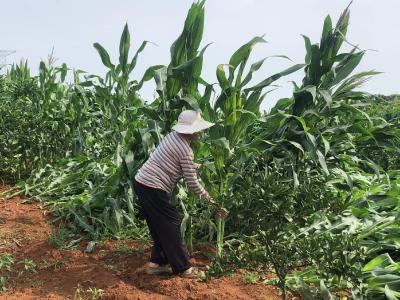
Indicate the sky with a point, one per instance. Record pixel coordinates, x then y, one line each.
33 28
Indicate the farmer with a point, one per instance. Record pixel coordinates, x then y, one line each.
154 182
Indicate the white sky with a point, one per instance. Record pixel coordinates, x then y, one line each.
33 27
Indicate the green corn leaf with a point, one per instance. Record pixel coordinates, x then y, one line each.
192 102
242 54
354 81
326 295
254 101
63 71
326 96
297 145
303 99
223 81
341 29
296 182
275 77
302 122
326 145
314 70
254 67
391 294
124 46
322 162
326 32
381 261
133 63
307 44
148 75
105 58
344 69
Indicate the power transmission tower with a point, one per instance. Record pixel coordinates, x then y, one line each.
3 57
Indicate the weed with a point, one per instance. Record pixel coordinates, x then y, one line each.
113 267
62 238
123 248
78 293
56 264
28 266
36 283
40 233
95 293
140 248
92 293
250 277
6 263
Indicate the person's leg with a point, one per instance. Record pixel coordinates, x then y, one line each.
166 223
157 255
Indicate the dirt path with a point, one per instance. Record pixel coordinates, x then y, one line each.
116 268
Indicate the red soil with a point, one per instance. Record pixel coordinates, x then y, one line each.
24 232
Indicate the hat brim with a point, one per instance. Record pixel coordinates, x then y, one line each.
197 126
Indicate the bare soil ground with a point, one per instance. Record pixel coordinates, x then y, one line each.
114 267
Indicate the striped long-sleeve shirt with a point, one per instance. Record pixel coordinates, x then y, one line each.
171 160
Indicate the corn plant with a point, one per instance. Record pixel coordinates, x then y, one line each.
34 105
178 83
236 107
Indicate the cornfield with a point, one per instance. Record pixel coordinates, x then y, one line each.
312 187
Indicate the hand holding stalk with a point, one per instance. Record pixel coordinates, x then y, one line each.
220 211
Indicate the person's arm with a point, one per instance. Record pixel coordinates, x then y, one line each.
189 173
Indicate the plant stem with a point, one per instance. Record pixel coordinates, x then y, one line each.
220 236
22 191
190 237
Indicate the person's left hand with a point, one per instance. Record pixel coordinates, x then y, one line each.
210 200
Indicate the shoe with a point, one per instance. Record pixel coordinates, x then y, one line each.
195 274
165 269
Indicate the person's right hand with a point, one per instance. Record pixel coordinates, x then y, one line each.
221 212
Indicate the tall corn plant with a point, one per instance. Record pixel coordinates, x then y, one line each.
37 105
121 104
178 83
118 92
234 110
323 118
177 86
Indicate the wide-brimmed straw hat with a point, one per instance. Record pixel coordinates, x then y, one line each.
190 121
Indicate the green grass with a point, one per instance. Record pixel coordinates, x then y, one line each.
6 264
250 278
29 266
55 265
91 293
123 248
63 238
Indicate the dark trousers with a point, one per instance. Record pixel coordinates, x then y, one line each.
164 223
